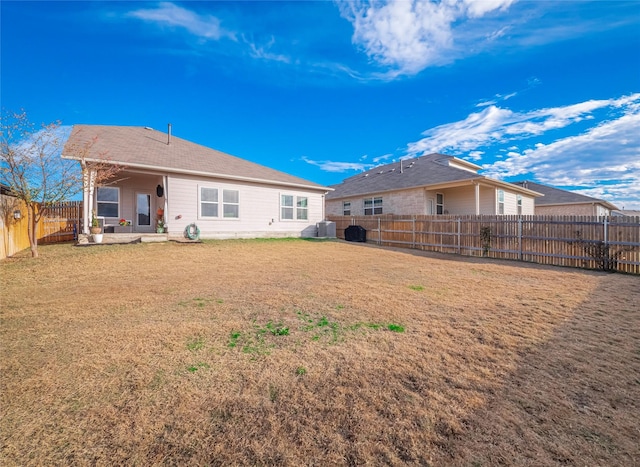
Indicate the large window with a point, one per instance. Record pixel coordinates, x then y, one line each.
291 211
210 203
346 208
500 201
439 203
372 206
108 199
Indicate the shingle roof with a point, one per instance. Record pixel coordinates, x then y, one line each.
554 196
143 147
418 172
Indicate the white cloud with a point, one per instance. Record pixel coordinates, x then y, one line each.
605 160
333 166
203 26
497 125
408 36
604 157
264 52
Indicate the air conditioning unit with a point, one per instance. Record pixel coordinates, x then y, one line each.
327 229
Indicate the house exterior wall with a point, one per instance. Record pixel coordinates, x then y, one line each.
411 201
587 209
131 185
258 210
418 201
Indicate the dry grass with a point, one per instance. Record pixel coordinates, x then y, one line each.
280 352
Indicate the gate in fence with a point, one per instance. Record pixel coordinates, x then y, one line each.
606 243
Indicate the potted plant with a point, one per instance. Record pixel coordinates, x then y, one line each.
160 226
95 225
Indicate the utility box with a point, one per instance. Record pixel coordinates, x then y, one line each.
327 229
355 233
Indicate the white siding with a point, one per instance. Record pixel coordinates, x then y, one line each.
259 210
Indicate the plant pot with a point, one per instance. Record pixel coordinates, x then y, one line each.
95 230
160 230
97 238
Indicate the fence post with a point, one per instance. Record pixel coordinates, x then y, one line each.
413 231
520 238
605 224
459 226
379 232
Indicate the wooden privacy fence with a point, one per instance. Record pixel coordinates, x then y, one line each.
60 224
607 243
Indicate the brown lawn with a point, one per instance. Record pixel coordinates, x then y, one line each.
295 352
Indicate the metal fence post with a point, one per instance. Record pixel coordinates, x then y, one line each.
379 232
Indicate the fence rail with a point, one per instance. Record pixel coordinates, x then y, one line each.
608 243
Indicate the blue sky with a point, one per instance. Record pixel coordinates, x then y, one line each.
540 90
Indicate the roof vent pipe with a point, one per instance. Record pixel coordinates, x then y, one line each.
168 134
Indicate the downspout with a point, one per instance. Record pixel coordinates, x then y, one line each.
477 195
323 210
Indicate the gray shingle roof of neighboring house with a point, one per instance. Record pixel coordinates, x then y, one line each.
424 171
555 196
143 147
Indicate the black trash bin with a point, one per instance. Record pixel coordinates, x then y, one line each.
355 233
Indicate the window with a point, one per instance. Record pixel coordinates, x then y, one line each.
439 203
287 210
372 206
302 207
346 208
230 203
519 201
108 199
500 202
208 202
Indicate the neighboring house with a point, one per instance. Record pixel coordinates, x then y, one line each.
186 183
626 213
431 184
557 202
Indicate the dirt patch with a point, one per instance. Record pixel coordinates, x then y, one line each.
295 352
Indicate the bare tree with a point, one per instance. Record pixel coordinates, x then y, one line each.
32 169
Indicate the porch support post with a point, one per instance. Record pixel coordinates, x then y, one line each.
477 195
165 181
88 185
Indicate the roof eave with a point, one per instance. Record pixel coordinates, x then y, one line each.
209 174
